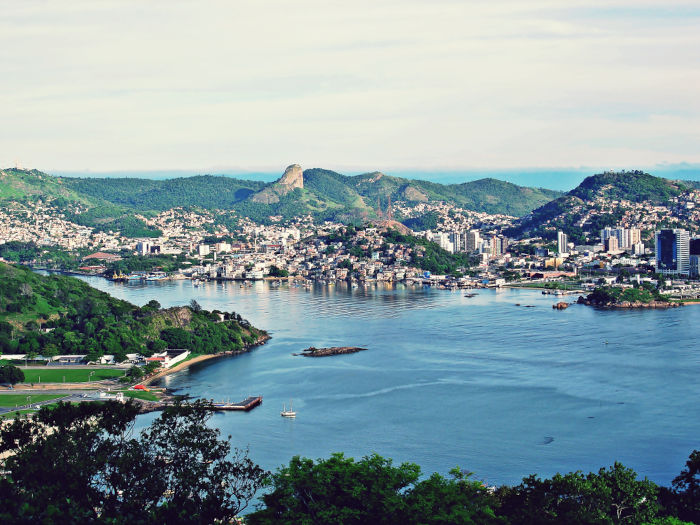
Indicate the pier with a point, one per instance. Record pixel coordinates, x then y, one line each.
247 404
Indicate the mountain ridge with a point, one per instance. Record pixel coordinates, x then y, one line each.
320 192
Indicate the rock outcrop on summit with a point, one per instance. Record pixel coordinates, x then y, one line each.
292 178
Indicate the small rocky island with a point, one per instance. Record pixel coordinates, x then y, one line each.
312 351
617 297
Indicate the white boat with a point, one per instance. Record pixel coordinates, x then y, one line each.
288 413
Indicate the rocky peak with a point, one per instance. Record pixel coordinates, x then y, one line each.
293 177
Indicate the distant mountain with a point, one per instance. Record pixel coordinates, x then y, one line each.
578 210
322 193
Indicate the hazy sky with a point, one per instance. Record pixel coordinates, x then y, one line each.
112 85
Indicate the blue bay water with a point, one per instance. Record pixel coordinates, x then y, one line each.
500 390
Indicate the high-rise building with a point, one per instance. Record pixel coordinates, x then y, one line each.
694 271
626 237
695 246
473 240
498 245
143 248
672 252
562 242
612 244
456 240
635 236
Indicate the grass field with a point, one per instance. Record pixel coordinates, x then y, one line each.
71 375
11 400
139 394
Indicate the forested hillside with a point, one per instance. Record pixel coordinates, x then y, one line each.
57 314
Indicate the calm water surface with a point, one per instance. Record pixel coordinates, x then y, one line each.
479 383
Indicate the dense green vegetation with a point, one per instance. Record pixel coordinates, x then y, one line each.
63 315
178 470
114 218
373 490
205 191
23 252
606 295
83 464
427 221
635 186
10 374
429 256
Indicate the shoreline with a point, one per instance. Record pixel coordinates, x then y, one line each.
205 357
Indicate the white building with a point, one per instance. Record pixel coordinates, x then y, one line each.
562 242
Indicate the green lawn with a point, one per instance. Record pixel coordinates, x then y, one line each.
139 394
71 375
12 415
11 400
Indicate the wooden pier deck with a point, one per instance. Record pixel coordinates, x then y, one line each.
247 404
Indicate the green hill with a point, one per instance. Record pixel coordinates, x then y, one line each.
566 212
322 193
19 184
635 186
58 314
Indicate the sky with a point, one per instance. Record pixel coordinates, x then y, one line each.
396 86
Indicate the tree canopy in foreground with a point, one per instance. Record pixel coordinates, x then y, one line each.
84 464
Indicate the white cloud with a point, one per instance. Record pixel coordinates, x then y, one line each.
368 84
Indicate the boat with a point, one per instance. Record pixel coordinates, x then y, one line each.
288 413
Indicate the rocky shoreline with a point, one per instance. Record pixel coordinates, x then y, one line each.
333 350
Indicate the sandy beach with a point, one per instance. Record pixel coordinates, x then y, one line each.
189 362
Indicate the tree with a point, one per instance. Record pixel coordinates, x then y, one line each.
609 496
337 490
278 272
151 367
11 374
82 464
440 500
135 372
687 489
195 306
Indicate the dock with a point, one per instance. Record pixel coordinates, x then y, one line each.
247 404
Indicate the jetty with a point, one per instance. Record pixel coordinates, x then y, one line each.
247 404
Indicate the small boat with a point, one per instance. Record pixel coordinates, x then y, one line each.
288 413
